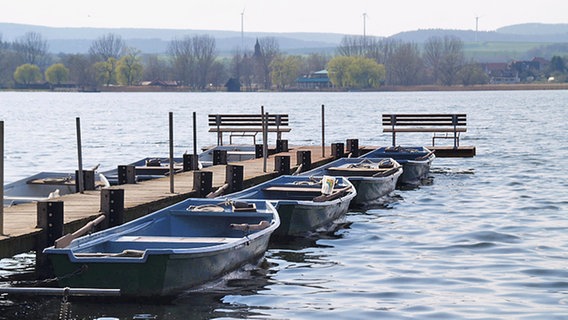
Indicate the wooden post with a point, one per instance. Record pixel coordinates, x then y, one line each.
171 126
88 180
304 158
352 147
322 131
264 138
126 174
112 205
190 162
258 151
195 134
337 150
281 146
219 157
50 220
234 177
282 164
79 181
2 177
202 182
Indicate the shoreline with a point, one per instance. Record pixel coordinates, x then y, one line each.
418 88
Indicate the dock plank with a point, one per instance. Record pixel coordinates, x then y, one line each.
20 221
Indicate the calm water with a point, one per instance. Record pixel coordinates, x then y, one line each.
487 240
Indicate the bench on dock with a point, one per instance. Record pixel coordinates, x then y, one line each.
443 126
246 125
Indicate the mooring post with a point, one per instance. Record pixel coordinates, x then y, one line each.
281 146
337 150
264 138
234 177
195 134
79 181
190 162
50 220
304 158
282 164
352 147
2 177
126 174
219 157
88 180
202 182
258 151
112 205
171 126
322 131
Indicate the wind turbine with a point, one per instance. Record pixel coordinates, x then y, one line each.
476 26
243 29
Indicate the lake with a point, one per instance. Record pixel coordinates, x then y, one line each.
486 240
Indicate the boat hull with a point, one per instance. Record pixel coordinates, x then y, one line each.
170 250
365 176
415 161
293 197
161 275
372 190
299 219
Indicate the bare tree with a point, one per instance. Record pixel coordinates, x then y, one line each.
182 59
32 49
445 57
107 46
204 53
352 46
269 50
405 65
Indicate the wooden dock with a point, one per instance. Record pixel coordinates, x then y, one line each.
20 221
451 152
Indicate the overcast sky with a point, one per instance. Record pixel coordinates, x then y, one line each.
383 18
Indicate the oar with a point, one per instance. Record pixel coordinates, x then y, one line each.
218 192
425 156
386 172
66 239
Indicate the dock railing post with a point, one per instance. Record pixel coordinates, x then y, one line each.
352 147
234 177
79 180
50 220
195 138
112 205
264 138
282 164
202 182
171 126
2 177
322 131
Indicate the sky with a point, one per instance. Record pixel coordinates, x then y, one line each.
376 18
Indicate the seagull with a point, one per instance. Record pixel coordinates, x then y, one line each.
54 194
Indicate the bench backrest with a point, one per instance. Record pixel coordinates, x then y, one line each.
247 120
425 120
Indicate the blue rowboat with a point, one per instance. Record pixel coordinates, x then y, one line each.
415 161
374 178
168 251
302 206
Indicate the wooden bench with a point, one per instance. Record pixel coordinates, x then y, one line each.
246 125
450 125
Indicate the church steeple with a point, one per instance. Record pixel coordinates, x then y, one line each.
257 52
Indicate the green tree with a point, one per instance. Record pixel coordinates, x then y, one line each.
365 73
56 73
106 71
355 72
27 74
129 69
338 70
284 70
